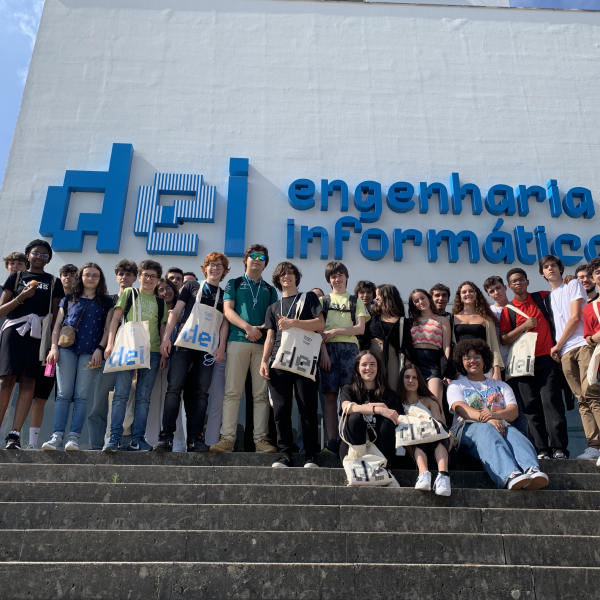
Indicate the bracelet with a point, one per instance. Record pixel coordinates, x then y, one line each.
101 348
18 301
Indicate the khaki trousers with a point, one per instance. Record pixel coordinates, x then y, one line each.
240 357
575 365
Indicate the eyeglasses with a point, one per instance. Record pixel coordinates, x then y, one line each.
216 267
258 256
91 276
148 276
38 255
474 358
520 280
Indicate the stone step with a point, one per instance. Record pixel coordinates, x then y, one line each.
174 493
223 581
269 517
299 546
244 459
252 475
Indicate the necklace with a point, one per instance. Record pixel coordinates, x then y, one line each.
292 306
254 298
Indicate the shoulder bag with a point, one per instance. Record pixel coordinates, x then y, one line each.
46 329
299 348
365 465
201 329
132 343
419 427
521 355
67 332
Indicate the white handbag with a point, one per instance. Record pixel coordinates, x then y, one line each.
299 349
46 329
521 356
365 465
592 372
201 329
132 343
419 427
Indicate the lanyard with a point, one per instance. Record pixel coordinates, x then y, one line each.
254 298
292 306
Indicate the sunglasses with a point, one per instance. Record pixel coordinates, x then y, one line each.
258 256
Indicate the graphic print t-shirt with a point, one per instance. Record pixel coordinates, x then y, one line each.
189 292
342 318
489 394
39 303
149 313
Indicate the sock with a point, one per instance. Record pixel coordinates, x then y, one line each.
445 473
15 432
33 436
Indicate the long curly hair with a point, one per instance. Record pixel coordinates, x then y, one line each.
381 383
482 307
390 302
77 287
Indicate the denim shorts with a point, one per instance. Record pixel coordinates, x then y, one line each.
342 356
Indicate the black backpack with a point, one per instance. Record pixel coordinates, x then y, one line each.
159 301
545 306
352 310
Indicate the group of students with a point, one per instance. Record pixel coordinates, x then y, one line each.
375 361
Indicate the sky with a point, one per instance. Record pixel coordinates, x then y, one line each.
19 20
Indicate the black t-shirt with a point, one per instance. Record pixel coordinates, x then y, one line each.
286 307
391 399
189 292
39 303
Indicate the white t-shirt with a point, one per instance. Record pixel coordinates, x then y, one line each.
491 394
561 299
504 350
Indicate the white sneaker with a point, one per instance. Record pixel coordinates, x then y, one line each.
518 480
72 445
54 443
31 447
590 454
442 485
424 482
538 479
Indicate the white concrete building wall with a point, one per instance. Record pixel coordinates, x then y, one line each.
332 90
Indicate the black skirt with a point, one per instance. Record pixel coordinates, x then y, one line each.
19 355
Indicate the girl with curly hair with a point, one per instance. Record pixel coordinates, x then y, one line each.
472 318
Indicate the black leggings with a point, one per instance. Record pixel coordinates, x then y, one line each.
355 431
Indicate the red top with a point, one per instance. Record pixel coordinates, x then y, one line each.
544 341
590 320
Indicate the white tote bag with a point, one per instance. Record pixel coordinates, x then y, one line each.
419 427
299 349
521 356
132 344
365 465
592 372
201 329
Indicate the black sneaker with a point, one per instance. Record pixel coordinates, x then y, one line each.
310 463
559 454
196 445
543 455
284 461
13 441
164 445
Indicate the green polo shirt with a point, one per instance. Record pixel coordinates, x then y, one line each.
254 314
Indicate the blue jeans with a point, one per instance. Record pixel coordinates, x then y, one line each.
103 385
499 455
75 381
144 385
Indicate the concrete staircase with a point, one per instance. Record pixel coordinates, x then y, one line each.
88 525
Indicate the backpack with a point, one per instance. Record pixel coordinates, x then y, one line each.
159 301
327 307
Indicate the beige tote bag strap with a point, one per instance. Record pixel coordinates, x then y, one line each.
515 309
199 294
595 303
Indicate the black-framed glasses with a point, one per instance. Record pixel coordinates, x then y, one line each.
38 255
149 276
258 256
